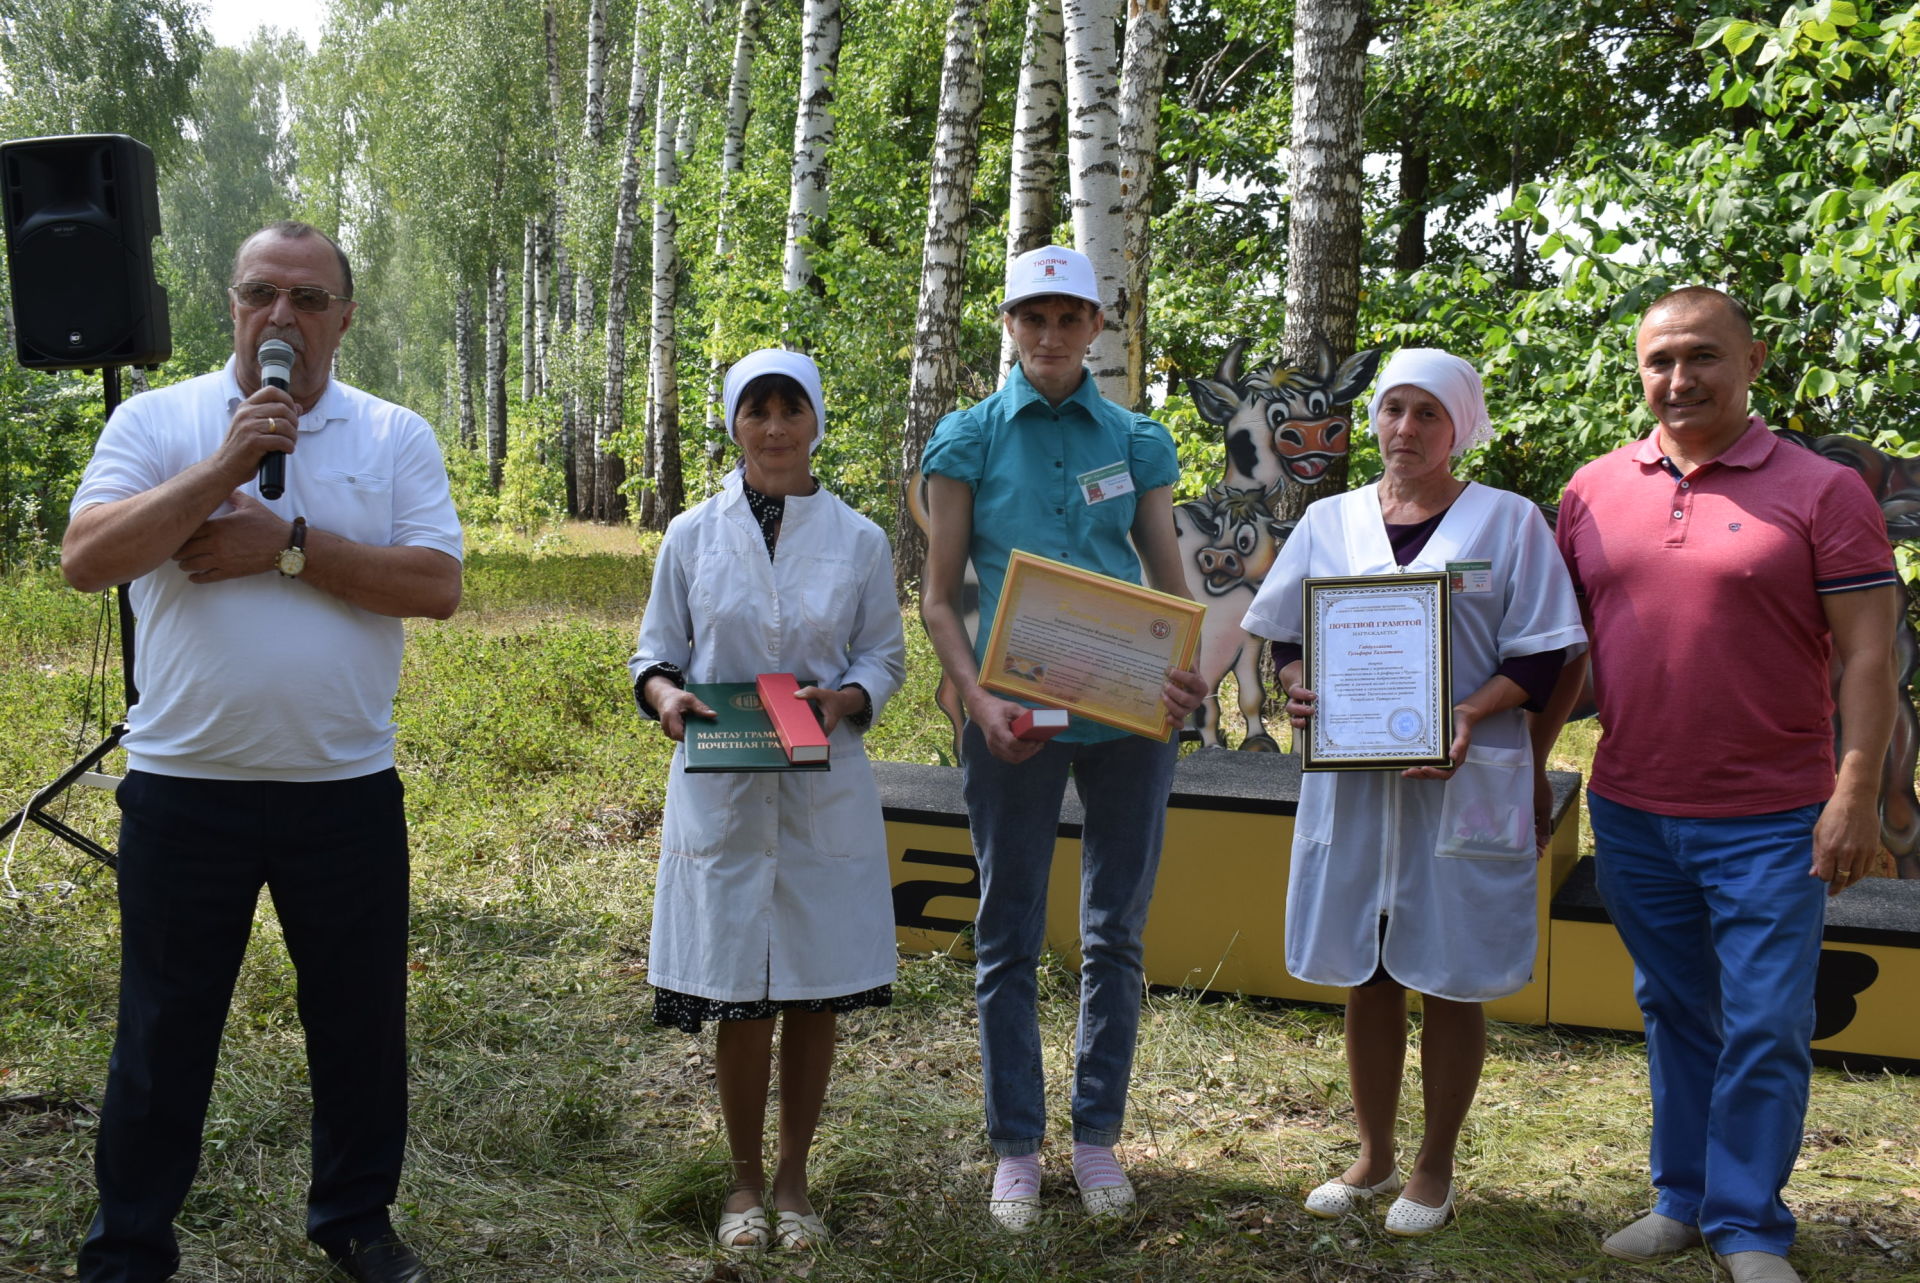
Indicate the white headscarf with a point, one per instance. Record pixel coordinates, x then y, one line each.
1454 382
797 366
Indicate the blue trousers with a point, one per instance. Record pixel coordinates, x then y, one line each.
1724 926
1014 813
193 857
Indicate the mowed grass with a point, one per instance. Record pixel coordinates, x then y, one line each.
558 1136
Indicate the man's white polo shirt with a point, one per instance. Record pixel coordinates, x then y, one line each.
266 677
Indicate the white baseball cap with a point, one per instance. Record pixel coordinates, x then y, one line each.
1051 269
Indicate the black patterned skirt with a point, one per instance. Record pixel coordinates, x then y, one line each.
685 1012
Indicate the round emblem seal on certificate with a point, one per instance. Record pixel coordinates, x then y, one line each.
1405 724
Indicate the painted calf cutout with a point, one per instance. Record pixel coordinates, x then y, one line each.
1895 483
1228 541
1283 426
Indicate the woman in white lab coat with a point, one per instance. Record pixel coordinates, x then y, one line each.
1424 879
773 896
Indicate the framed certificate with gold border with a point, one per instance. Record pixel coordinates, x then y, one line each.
1381 670
1094 645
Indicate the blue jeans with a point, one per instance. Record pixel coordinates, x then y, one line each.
1014 814
1724 926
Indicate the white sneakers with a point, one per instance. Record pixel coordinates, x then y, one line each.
1757 1267
1651 1238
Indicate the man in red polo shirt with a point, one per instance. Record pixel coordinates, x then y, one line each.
1723 571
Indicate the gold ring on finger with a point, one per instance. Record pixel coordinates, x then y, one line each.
273 426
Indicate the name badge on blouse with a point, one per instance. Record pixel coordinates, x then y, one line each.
1106 483
1470 576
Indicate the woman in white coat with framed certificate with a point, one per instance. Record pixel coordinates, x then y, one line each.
1424 879
773 898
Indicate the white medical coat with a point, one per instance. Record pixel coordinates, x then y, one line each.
774 885
1450 862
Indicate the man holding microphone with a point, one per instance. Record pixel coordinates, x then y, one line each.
260 749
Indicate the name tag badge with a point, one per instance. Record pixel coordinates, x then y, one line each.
1470 576
1106 483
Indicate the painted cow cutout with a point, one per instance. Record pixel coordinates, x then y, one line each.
1280 423
1895 484
1283 425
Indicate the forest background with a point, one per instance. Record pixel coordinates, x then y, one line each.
1534 171
568 217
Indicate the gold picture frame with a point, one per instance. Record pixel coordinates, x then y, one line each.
1094 645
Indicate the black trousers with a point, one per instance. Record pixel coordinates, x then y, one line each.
193 857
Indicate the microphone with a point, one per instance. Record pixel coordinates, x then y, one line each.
276 371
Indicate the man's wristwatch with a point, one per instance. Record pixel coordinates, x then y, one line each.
293 558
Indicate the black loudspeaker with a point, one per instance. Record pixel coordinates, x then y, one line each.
81 215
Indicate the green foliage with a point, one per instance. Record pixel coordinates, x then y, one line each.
99 66
232 178
1633 145
51 422
40 617
532 494
1799 197
1480 96
1219 203
424 137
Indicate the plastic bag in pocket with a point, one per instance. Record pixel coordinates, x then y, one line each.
1487 813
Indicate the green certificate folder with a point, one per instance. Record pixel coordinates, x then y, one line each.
742 739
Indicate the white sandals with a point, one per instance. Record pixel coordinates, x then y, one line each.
750 1225
801 1231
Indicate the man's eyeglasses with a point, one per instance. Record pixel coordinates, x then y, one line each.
305 298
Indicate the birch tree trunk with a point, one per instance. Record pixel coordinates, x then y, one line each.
528 371
936 346
585 395
580 460
687 136
733 154
1324 183
739 100
542 360
1093 162
1143 74
596 118
812 137
562 295
626 216
1035 176
463 365
542 308
496 376
663 349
